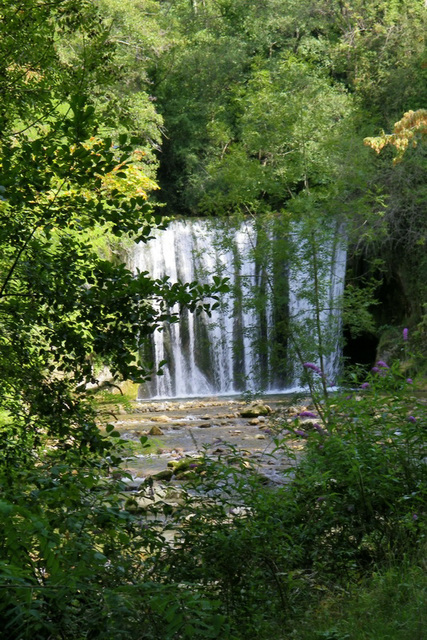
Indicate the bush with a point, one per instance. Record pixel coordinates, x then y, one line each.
356 504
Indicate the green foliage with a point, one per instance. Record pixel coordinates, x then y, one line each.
137 39
292 124
34 80
363 485
357 308
390 606
75 564
402 246
53 280
353 507
73 561
261 105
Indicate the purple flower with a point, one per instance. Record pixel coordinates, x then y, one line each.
321 499
381 363
320 429
365 385
375 369
193 465
414 517
405 334
409 380
313 367
298 432
307 414
412 419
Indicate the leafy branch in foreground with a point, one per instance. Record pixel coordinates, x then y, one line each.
70 553
59 192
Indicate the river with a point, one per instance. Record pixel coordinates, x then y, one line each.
178 429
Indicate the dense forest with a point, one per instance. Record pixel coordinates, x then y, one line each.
262 108
116 116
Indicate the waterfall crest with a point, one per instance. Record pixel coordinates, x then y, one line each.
243 346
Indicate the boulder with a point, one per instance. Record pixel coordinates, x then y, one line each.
185 464
255 410
161 418
164 475
155 431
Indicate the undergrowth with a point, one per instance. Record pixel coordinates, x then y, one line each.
334 553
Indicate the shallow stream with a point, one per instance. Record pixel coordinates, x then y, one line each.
185 428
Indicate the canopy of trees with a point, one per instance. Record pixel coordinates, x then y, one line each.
265 106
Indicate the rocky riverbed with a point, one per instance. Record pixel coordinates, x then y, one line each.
181 430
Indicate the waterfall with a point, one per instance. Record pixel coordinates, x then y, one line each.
331 259
242 346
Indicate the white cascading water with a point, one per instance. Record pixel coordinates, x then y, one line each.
220 355
331 264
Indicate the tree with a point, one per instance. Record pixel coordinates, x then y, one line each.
292 138
64 306
403 183
408 131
